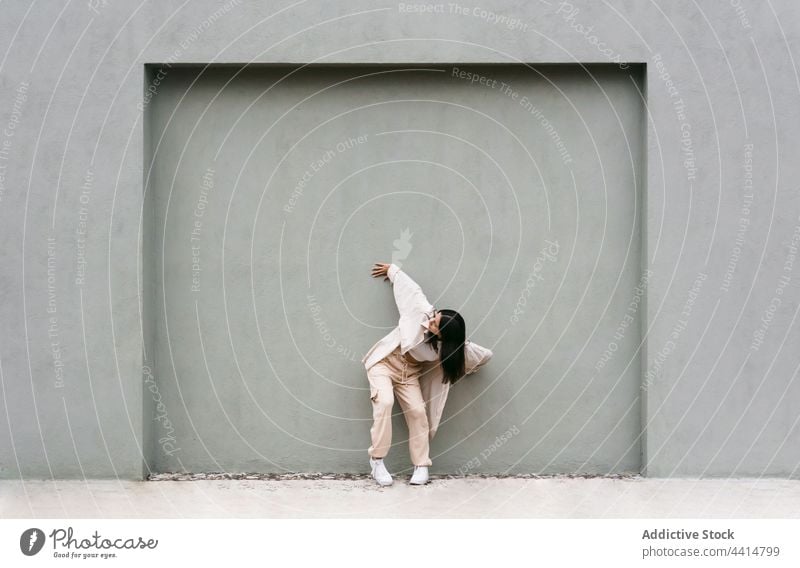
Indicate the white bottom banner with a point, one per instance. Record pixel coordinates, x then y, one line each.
456 542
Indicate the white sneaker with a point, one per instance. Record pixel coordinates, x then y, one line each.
420 476
379 472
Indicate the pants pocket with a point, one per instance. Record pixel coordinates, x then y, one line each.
373 394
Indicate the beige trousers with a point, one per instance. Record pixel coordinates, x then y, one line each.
395 376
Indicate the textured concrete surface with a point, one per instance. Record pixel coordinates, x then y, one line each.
257 352
720 222
457 498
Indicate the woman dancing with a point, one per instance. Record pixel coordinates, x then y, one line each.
416 363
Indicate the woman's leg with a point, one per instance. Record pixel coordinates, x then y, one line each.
409 394
381 394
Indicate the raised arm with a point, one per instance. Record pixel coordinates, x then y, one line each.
411 301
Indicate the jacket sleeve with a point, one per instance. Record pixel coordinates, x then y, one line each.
476 356
411 301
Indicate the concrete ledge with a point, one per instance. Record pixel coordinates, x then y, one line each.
473 497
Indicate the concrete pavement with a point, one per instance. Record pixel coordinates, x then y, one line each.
553 497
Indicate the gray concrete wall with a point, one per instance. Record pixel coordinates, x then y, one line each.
274 189
718 363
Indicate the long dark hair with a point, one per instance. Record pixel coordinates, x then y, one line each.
451 345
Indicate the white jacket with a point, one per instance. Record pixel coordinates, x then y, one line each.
414 309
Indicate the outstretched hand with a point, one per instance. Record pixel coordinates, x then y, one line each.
380 269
